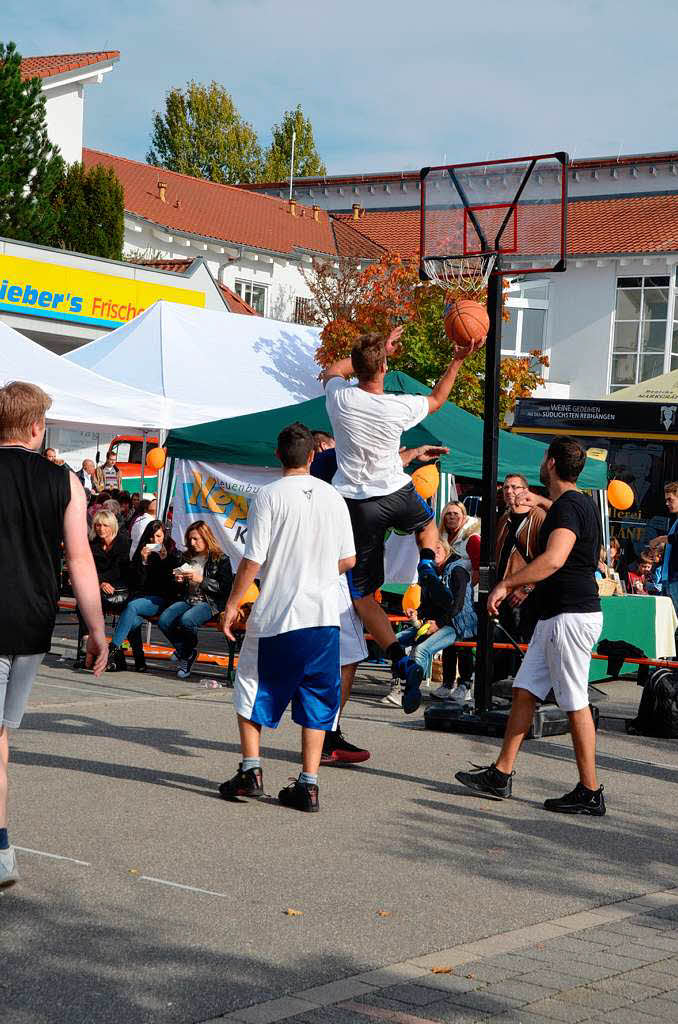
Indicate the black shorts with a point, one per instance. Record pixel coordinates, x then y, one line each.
371 518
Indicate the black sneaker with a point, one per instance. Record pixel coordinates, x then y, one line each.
487 780
302 796
580 801
249 783
337 750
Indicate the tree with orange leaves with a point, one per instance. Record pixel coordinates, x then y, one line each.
350 302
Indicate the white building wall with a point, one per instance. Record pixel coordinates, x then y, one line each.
280 275
65 109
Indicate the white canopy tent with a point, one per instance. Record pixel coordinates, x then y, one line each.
241 364
83 400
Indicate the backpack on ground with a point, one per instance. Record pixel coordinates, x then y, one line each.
658 708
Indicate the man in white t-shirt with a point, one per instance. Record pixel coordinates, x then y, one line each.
299 541
367 426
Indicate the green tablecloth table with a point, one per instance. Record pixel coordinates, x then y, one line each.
647 622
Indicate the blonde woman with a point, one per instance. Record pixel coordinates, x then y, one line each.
110 551
205 578
457 527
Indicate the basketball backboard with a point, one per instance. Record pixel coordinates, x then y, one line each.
515 209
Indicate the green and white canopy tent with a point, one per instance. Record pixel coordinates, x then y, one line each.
251 440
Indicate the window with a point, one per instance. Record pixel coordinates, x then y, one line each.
254 294
640 331
527 305
303 311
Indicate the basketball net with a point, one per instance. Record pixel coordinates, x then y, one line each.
466 274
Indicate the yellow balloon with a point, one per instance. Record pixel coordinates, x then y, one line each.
620 495
426 481
155 458
250 595
412 598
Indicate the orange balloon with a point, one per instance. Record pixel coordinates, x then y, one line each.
250 595
620 495
155 458
426 481
412 598
377 596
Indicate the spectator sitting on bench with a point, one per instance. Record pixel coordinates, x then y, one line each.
152 588
110 550
447 610
205 582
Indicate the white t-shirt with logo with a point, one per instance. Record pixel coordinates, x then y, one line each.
367 430
297 530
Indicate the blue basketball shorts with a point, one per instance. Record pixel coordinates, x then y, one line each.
300 668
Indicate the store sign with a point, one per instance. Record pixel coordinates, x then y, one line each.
644 418
80 296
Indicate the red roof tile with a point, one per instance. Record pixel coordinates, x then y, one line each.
628 224
56 64
352 242
222 212
233 301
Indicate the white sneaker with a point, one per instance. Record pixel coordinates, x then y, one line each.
461 695
442 693
395 696
8 869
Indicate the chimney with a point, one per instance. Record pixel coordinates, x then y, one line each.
316 212
293 207
162 191
356 211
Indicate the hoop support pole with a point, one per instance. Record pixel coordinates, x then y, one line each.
488 534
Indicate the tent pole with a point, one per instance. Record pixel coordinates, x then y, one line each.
143 459
165 493
488 533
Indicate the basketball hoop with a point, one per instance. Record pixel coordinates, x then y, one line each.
466 274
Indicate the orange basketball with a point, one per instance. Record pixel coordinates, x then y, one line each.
466 322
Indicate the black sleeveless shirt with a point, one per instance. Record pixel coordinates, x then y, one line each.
34 494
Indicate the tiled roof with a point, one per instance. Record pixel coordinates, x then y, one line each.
225 213
56 64
233 301
352 242
628 224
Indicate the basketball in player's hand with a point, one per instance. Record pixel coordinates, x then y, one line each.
466 324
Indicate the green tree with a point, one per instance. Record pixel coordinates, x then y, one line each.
202 134
91 207
31 168
307 162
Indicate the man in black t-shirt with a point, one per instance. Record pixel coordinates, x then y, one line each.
570 621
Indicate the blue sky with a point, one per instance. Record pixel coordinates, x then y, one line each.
387 85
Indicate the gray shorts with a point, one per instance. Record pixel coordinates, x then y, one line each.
17 673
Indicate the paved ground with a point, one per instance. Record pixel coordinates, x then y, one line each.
144 898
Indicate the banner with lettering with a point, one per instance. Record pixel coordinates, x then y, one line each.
221 495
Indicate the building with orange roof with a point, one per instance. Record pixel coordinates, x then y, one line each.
64 77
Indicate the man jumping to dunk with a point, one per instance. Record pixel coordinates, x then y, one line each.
367 426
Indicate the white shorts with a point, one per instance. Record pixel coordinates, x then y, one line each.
352 644
559 657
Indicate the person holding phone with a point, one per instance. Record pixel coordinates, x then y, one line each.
152 588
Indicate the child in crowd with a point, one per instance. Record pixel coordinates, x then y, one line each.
446 613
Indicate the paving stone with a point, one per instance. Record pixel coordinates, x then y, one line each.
652 977
593 998
330 1015
632 991
486 971
452 983
668 966
556 1009
393 975
517 988
554 980
441 1010
611 960
571 944
486 1002
415 995
668 898
656 940
634 951
579 969
660 1007
517 1017
273 1010
335 991
628 1015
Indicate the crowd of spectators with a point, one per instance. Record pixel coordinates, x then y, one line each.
142 575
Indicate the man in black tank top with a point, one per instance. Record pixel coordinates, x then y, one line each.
43 505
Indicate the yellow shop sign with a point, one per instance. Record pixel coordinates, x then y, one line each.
80 296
